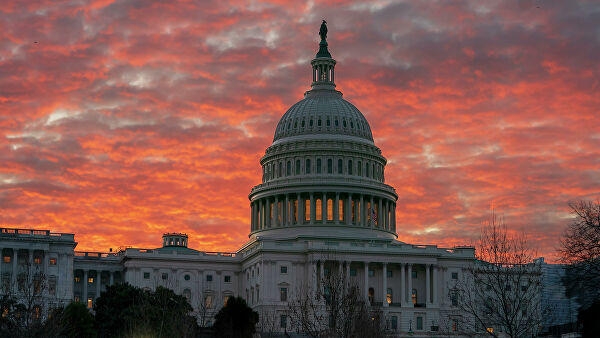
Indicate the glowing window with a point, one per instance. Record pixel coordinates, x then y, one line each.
329 209
52 261
318 209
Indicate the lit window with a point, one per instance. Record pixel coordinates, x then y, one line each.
90 303
283 269
227 279
77 279
389 296
226 299
414 296
52 261
6 259
318 210
329 209
37 260
208 301
91 280
76 299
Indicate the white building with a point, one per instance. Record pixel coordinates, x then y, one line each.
323 206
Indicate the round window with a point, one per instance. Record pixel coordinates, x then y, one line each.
186 277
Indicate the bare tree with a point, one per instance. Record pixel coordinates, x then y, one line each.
22 301
501 290
580 248
336 308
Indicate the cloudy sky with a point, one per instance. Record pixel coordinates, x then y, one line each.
122 120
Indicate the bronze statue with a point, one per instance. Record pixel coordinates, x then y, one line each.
323 30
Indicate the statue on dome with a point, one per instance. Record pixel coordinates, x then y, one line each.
323 30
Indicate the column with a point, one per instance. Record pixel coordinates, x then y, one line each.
312 208
402 284
251 216
367 282
347 210
336 209
347 276
321 275
15 267
300 209
276 212
260 214
372 223
267 213
380 215
435 271
362 210
98 283
427 285
384 277
313 275
84 293
324 208
286 211
409 282
394 217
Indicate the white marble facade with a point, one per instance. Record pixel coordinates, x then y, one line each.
323 204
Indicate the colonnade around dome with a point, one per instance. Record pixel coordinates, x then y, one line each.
323 208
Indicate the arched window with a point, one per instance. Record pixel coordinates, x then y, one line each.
341 212
349 167
280 173
359 168
318 209
288 170
329 166
307 210
328 122
330 209
318 166
297 167
307 166
367 170
340 166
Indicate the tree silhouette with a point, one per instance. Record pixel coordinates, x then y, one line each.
235 320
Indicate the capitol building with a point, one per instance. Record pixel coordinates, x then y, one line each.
321 208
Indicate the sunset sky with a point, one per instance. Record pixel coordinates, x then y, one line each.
122 120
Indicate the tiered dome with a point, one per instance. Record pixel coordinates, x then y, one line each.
323 174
